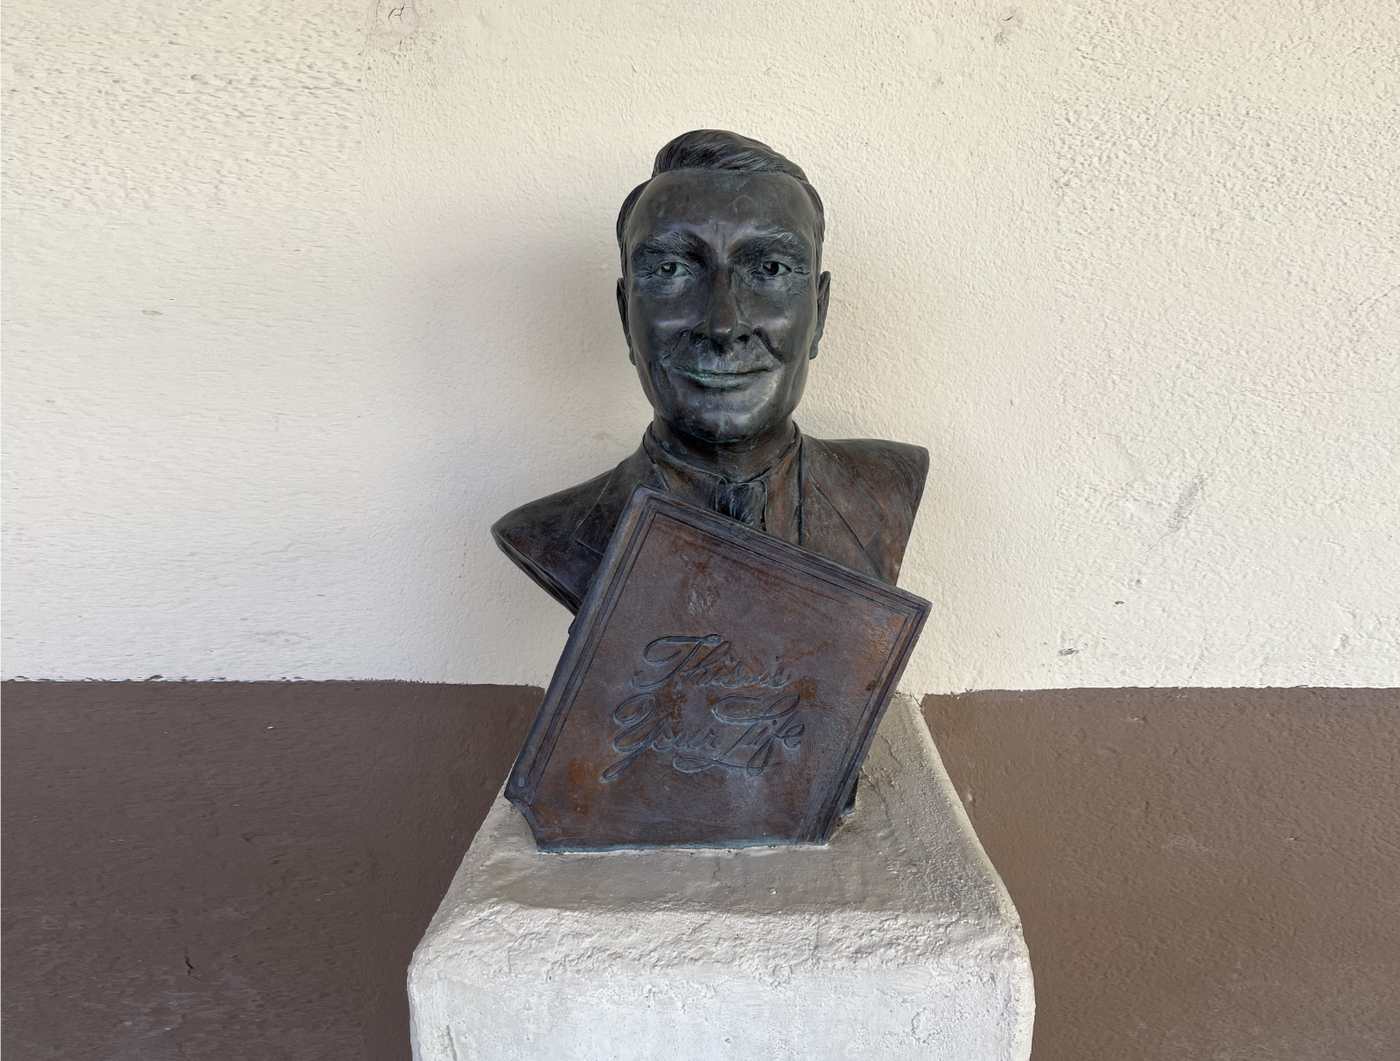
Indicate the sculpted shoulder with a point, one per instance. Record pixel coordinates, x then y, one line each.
892 473
893 470
876 485
859 500
539 538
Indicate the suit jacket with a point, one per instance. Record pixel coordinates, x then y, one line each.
858 498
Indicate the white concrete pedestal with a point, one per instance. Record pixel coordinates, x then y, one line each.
896 940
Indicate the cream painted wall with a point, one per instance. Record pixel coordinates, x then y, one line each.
301 296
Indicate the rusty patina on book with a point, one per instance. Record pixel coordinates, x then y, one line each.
719 687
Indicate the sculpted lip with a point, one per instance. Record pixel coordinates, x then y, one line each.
721 380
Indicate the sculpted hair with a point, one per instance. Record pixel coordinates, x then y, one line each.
719 150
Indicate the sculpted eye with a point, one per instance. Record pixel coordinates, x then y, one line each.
774 268
672 270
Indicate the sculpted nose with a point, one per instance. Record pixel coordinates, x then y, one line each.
722 320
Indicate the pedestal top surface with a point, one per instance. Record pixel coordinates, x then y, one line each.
904 872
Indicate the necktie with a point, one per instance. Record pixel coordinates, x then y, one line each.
742 501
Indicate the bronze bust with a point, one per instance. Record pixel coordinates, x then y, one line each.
723 302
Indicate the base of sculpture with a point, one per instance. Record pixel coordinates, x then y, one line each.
895 940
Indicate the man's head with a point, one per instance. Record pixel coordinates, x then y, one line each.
721 295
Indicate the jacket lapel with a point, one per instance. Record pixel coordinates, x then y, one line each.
596 527
840 519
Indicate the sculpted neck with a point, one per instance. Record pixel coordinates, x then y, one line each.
735 461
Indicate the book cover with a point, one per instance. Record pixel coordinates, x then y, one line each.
719 687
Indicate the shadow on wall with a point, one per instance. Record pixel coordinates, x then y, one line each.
513 382
515 334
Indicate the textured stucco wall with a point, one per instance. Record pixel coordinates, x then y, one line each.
299 297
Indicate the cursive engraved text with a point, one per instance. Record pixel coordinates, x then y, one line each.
739 731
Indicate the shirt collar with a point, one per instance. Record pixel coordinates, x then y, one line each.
672 467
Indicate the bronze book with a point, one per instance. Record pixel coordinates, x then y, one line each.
719 687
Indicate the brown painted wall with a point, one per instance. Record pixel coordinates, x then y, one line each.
233 871
230 871
1202 873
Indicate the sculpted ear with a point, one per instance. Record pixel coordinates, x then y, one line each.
622 312
823 295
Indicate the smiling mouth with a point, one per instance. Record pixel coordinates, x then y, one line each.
727 380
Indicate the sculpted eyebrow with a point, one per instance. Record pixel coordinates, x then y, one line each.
667 244
779 240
